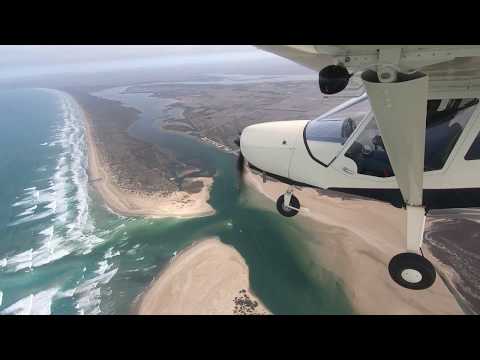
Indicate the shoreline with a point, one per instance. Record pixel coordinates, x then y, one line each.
178 204
355 239
206 278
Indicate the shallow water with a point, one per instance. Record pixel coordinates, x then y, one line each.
63 252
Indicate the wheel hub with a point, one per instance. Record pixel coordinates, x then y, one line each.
411 275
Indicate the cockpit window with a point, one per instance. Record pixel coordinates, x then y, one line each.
369 153
325 137
445 122
444 127
331 130
474 152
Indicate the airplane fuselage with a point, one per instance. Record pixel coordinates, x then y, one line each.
315 154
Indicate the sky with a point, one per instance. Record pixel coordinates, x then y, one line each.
23 61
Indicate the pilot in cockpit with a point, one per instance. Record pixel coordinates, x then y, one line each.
445 122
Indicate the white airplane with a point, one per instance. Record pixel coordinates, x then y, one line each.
411 140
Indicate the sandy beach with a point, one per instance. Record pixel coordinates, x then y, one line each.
208 278
355 239
176 204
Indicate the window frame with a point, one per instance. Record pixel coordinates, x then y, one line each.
461 142
344 144
363 124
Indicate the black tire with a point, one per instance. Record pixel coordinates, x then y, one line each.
406 261
288 212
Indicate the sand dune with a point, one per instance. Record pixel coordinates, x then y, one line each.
204 279
355 239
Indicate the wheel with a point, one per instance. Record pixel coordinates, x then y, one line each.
287 211
412 271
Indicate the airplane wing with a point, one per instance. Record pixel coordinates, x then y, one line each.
450 68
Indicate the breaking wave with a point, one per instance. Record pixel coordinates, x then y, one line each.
65 202
35 304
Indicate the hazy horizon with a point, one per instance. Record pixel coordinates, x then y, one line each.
39 65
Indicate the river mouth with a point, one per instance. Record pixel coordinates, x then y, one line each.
244 219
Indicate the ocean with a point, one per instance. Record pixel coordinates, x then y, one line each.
63 252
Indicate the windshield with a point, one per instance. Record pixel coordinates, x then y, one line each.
325 136
331 130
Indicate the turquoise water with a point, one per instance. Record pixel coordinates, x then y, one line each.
63 252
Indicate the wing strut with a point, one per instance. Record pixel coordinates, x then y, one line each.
400 108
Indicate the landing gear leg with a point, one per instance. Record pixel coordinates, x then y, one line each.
410 269
287 204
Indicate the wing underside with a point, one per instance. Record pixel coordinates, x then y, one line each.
452 69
